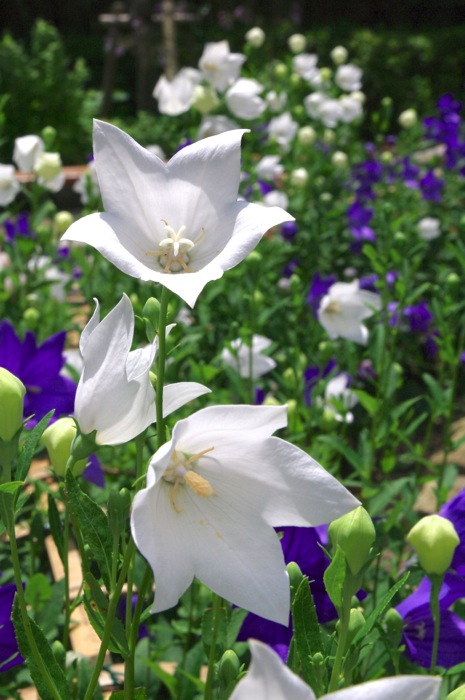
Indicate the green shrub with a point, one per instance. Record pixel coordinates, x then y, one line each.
43 89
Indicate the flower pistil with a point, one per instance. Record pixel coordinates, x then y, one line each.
174 249
181 471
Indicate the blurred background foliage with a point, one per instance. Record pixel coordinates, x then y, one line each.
52 56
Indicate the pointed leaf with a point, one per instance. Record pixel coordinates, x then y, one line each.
55 526
307 637
50 664
96 604
30 444
334 577
93 524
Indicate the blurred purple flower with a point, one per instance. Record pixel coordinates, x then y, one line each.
318 288
8 644
303 546
18 227
431 187
94 472
410 173
39 369
314 374
359 217
289 230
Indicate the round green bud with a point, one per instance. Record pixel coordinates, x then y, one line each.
386 102
394 626
400 238
255 258
306 135
271 401
329 136
355 533
453 281
294 79
339 55
457 694
326 73
280 70
59 652
326 197
255 37
387 157
299 177
58 438
297 43
289 376
435 540
408 118
291 407
49 134
151 316
12 392
229 667
339 159
31 316
356 622
295 575
258 298
62 221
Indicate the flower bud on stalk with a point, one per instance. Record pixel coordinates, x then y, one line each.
435 540
457 694
119 505
12 392
355 535
151 316
58 439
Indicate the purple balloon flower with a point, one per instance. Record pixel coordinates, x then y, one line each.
18 227
431 187
38 367
312 375
8 643
301 545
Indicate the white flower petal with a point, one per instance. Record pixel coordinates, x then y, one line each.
177 395
269 679
401 687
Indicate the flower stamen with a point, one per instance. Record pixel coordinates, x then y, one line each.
181 472
174 250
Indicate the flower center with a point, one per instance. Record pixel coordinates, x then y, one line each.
333 307
181 472
174 250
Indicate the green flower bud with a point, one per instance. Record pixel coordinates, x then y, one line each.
49 134
354 532
119 504
297 43
457 694
151 316
229 667
356 622
58 438
271 401
31 316
306 135
435 540
59 652
62 221
453 281
254 258
326 73
280 70
394 626
295 577
12 392
408 118
294 79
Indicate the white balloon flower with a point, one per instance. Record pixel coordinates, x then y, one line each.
269 679
214 494
115 396
343 309
180 224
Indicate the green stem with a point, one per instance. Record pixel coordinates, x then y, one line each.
436 583
44 672
161 360
113 605
67 619
340 651
216 605
134 635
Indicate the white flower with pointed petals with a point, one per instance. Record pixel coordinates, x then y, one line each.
283 129
219 66
26 151
115 396
214 494
343 309
349 77
249 361
269 679
338 394
180 224
176 96
243 99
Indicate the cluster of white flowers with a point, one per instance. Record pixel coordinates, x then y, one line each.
29 156
218 488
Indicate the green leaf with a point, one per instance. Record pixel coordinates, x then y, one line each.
8 495
139 694
93 524
334 578
55 526
38 591
96 605
307 637
27 452
369 403
169 681
380 609
50 666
